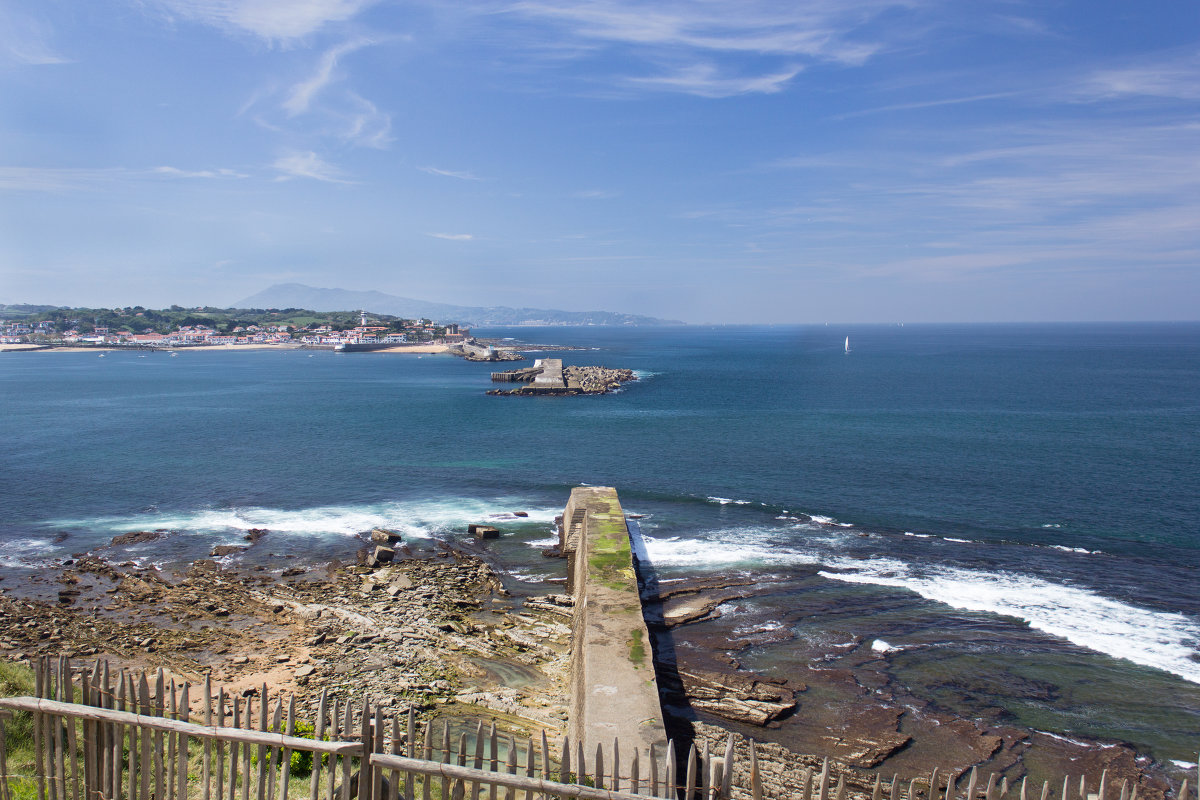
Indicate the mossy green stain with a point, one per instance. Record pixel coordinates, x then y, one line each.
637 650
610 558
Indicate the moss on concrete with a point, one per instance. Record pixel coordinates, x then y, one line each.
637 648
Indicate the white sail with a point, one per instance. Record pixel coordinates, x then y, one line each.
847 344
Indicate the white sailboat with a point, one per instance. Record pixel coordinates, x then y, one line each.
847 344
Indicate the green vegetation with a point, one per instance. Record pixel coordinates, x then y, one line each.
610 558
16 680
637 649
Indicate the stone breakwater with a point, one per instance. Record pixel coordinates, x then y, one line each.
549 377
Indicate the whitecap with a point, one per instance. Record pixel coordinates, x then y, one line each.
528 577
549 541
1158 639
956 541
424 519
880 646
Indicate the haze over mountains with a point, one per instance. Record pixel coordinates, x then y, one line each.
297 295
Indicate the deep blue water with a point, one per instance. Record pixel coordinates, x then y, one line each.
1046 473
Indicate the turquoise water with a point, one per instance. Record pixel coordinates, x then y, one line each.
1034 482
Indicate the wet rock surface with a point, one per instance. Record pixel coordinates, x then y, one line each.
413 631
843 704
442 633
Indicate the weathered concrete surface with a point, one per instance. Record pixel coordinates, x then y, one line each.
614 694
551 376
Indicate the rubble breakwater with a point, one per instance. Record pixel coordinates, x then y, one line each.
548 376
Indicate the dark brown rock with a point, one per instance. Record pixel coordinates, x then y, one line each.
384 537
136 537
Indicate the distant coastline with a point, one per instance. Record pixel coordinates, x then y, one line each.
414 349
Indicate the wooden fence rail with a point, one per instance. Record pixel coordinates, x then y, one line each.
121 735
104 734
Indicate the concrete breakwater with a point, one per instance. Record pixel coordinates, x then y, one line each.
613 689
549 376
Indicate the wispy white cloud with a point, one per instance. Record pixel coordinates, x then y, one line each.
1177 79
307 165
175 172
453 237
917 105
66 179
25 39
699 37
450 173
301 96
364 124
318 107
706 80
274 20
822 29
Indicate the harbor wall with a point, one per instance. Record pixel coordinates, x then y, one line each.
614 692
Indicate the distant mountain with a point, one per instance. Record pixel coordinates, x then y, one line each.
297 295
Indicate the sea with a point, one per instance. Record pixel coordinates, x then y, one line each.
1009 515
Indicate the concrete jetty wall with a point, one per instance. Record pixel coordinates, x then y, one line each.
614 694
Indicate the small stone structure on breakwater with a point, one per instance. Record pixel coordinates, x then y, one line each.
613 690
474 351
548 376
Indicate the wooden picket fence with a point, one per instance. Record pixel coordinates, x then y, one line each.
109 735
123 735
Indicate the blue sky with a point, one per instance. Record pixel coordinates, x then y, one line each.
830 160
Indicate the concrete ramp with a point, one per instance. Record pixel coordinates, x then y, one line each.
614 694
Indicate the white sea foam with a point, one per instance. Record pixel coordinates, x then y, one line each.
418 519
919 535
528 577
1066 549
1184 764
880 646
727 500
1079 742
760 627
956 541
645 374
724 549
23 553
549 541
1158 639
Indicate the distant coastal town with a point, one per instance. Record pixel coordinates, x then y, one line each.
178 327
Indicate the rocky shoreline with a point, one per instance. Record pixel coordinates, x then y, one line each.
441 631
436 631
